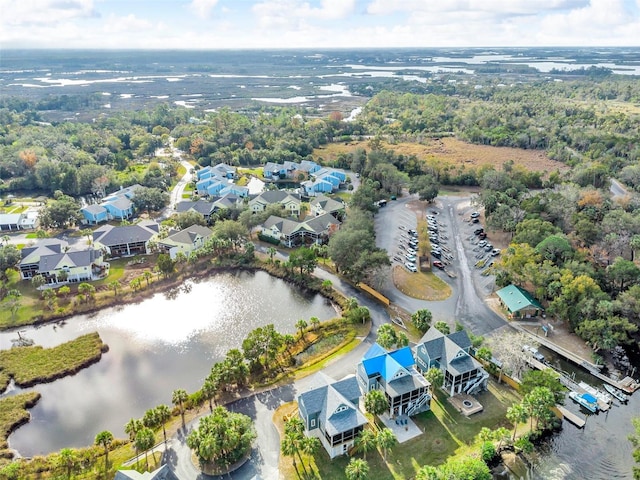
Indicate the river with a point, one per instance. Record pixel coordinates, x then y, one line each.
169 341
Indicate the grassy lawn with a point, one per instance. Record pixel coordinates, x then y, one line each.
34 364
447 433
421 285
256 172
13 412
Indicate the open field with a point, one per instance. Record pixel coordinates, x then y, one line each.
421 285
454 152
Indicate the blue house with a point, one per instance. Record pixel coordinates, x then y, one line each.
330 412
394 373
94 214
220 170
216 187
280 170
309 166
233 189
118 207
450 354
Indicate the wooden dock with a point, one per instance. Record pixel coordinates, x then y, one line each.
627 384
572 417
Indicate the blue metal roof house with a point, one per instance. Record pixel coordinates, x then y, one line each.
406 390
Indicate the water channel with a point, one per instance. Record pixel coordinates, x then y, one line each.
599 451
169 341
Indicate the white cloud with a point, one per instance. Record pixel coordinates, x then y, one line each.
497 7
279 13
43 12
202 8
129 23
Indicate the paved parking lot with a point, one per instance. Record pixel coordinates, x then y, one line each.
466 304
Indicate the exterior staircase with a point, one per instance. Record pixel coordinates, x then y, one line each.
414 407
474 386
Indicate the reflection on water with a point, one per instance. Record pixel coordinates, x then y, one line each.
164 343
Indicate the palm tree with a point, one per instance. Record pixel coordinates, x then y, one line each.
386 440
150 418
516 414
351 303
294 429
301 325
288 341
68 459
315 321
164 414
178 398
289 448
271 251
37 281
147 275
105 439
366 442
144 441
357 469
115 285
209 390
5 239
131 428
310 445
375 402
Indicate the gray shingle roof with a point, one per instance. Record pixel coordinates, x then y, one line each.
162 473
93 209
80 258
325 400
286 226
446 350
109 235
201 206
46 246
189 234
321 223
329 205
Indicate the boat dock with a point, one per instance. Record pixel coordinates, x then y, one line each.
627 384
572 417
571 385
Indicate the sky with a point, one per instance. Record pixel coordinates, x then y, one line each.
237 24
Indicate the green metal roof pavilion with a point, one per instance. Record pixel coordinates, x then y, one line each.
516 299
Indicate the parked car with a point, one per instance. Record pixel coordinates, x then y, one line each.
488 247
438 264
411 251
436 254
410 258
475 214
482 236
475 220
411 267
412 232
482 243
495 252
478 231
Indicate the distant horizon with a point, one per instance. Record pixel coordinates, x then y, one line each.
314 24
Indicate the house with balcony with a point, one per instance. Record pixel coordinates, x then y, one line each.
221 170
394 373
292 233
185 241
329 411
127 240
290 202
450 353
53 259
323 204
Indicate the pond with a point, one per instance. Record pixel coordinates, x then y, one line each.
169 341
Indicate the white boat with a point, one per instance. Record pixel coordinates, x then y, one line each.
599 394
615 392
587 401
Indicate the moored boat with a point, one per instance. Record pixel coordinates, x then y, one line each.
615 392
398 321
594 392
587 400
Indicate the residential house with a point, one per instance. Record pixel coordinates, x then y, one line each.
233 189
324 180
185 241
227 201
394 373
309 167
290 202
276 171
330 412
19 221
203 207
220 170
30 263
519 302
127 240
116 206
94 214
313 187
161 473
51 257
292 233
323 204
450 353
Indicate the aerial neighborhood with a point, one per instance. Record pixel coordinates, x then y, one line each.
423 266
